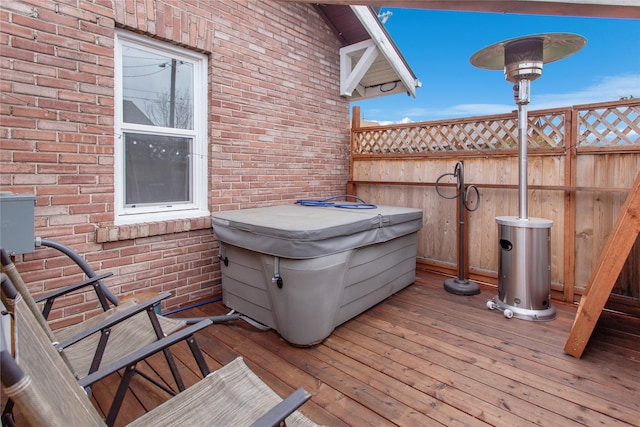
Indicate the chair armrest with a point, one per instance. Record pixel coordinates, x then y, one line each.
113 320
71 288
143 353
283 409
50 297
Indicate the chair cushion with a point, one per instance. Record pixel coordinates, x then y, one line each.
231 396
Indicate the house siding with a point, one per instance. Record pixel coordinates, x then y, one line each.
278 131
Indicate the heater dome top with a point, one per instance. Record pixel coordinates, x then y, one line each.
554 46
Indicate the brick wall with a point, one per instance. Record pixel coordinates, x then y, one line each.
278 131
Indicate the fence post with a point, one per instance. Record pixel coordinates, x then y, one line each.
569 249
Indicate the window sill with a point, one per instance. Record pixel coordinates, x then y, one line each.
118 233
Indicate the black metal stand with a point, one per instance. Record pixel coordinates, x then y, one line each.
460 285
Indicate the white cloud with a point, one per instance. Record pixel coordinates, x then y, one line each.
469 110
391 122
610 88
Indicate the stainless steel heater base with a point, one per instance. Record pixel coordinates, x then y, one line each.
524 269
510 311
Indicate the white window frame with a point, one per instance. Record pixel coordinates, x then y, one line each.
198 207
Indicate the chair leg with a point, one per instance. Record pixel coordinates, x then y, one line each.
198 356
120 394
167 354
174 369
102 345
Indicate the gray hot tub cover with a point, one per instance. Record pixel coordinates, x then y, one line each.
301 232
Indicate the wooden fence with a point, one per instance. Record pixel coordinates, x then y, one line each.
582 161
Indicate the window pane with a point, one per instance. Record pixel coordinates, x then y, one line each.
157 169
157 89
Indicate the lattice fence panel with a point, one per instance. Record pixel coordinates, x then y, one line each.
545 131
607 127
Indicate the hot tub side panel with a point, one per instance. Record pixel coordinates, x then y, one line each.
306 306
304 309
245 287
317 294
377 272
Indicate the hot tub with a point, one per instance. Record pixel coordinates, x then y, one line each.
303 270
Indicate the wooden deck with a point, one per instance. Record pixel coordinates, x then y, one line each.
425 357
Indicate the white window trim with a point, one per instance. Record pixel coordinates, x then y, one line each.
199 157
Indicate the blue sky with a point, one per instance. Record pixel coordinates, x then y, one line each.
437 46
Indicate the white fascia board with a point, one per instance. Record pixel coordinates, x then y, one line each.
350 76
372 25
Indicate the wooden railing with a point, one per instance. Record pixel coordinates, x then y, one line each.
582 161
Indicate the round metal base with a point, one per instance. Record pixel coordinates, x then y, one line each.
461 287
510 311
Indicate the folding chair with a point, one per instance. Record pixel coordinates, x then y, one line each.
124 328
47 393
109 337
106 337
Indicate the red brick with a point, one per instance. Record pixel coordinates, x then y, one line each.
57 169
59 19
18 30
57 126
77 179
70 200
93 29
56 189
37 24
79 138
76 158
103 218
13 53
78 117
76 77
56 61
58 40
33 134
32 68
97 88
33 46
18 122
76 56
102 46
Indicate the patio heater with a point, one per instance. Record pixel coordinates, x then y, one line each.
524 270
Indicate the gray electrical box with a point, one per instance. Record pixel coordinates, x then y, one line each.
17 223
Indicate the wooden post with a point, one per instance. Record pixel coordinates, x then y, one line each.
355 117
355 124
612 258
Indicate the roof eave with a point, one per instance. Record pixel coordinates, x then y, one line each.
369 20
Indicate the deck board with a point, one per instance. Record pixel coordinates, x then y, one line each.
426 357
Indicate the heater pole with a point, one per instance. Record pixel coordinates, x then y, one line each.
522 99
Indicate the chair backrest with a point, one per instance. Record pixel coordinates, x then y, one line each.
9 268
50 396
